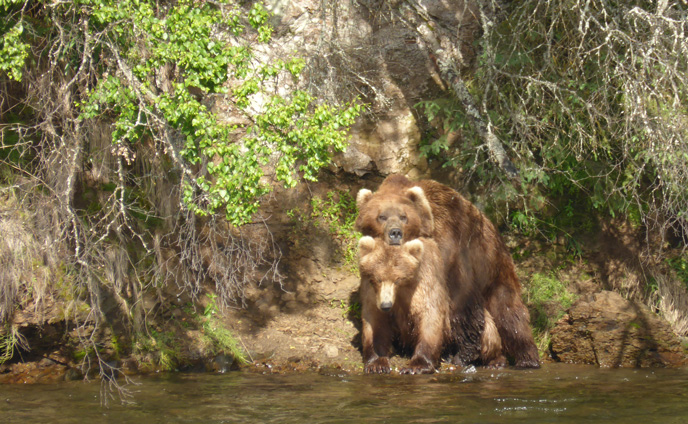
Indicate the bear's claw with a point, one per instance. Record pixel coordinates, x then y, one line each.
378 366
497 363
418 366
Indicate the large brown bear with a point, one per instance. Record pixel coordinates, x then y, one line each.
404 295
479 272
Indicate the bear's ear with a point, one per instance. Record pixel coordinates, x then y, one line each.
414 248
365 245
417 196
362 197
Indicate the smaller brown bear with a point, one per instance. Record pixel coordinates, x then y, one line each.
404 294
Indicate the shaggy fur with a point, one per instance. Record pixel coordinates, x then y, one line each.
404 295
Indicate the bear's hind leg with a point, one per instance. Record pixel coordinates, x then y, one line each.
513 323
491 355
467 326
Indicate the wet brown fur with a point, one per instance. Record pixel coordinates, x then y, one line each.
480 274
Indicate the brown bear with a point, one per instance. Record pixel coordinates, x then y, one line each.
479 272
404 295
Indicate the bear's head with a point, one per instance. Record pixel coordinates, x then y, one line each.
395 216
389 268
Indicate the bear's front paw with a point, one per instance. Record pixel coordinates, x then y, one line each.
459 361
497 363
418 365
527 363
378 366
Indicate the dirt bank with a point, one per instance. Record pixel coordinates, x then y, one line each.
310 318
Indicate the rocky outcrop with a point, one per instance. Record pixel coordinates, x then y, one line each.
364 50
607 330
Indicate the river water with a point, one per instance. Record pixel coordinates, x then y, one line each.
554 394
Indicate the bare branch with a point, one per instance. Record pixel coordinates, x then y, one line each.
443 47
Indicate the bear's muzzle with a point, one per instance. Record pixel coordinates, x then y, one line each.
394 235
386 296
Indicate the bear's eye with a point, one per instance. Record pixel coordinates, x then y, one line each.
382 218
403 218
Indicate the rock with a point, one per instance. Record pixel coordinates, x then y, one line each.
264 308
331 351
355 161
291 306
288 297
344 288
332 371
391 144
607 330
46 362
302 297
73 374
377 58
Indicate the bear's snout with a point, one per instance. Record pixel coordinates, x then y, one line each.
386 296
394 236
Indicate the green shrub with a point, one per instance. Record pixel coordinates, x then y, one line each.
592 105
337 214
221 338
547 298
680 266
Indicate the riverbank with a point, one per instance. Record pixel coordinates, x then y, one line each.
310 323
595 298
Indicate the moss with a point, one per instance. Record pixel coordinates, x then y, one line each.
335 213
680 266
547 298
157 348
80 354
218 335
